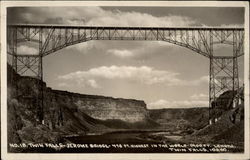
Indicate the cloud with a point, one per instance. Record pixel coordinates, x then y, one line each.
199 96
196 100
118 18
81 82
135 50
202 79
85 47
92 83
144 74
97 16
177 104
121 53
26 50
138 50
63 84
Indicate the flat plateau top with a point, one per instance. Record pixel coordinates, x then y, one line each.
118 27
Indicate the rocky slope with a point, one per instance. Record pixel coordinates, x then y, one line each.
192 123
182 119
229 124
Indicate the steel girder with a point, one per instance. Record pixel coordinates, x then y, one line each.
51 38
56 37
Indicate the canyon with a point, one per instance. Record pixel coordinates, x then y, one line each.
73 117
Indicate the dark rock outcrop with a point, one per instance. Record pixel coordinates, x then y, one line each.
183 119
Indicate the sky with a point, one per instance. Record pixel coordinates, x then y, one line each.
162 74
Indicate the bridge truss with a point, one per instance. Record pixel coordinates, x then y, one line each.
223 70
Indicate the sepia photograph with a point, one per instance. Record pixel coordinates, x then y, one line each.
115 78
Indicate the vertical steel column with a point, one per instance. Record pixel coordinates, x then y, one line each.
40 79
211 75
14 59
235 77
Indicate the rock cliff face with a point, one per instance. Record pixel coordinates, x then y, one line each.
106 108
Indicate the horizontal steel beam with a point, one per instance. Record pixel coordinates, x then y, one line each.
123 28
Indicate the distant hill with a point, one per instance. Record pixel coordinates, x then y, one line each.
185 119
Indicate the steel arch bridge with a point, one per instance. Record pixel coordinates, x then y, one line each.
223 70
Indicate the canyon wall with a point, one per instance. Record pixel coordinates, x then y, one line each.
106 108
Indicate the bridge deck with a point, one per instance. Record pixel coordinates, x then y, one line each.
123 28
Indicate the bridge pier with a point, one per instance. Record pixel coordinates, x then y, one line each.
29 66
224 77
